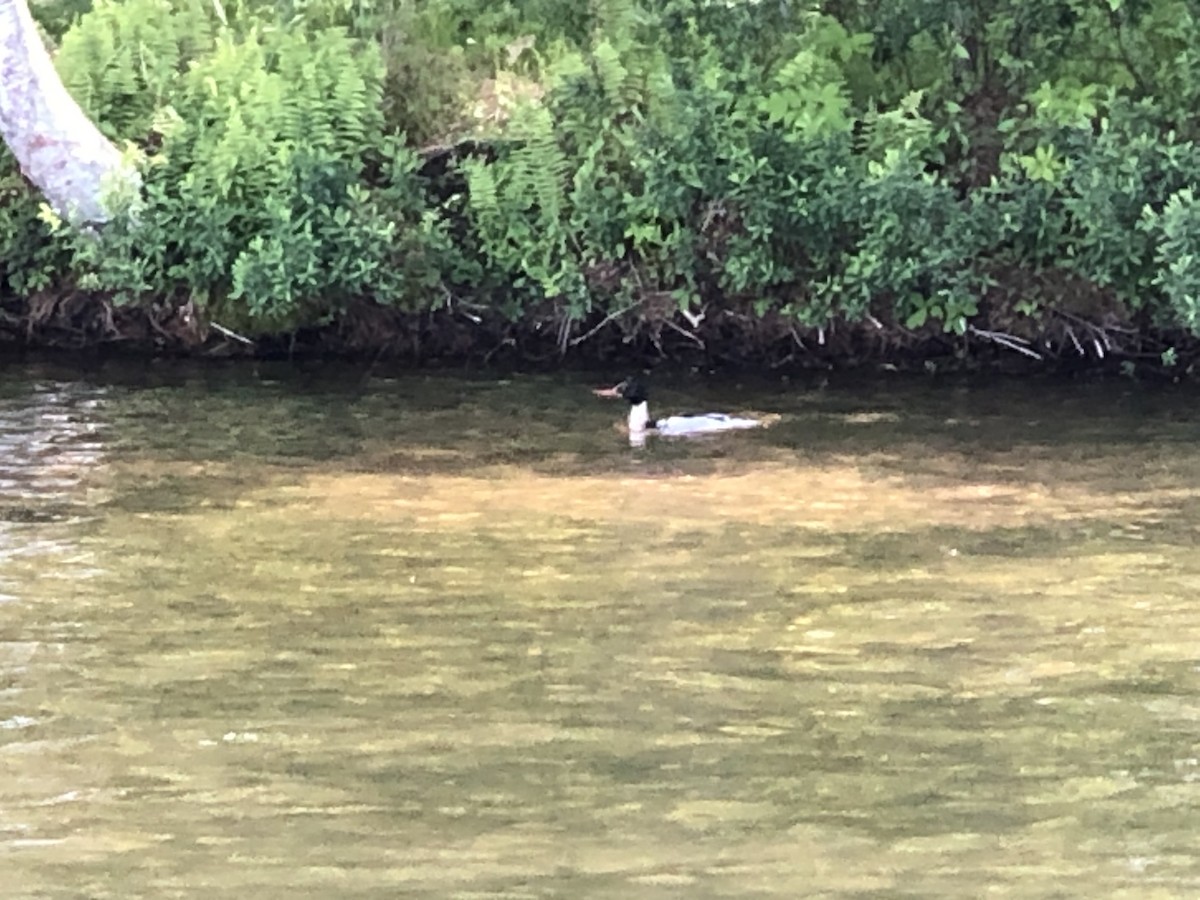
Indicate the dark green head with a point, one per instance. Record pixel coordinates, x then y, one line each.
632 390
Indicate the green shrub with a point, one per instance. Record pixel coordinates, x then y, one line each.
30 260
259 201
123 59
806 163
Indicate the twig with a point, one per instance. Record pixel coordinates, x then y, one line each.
612 315
694 319
687 334
1087 323
462 307
564 334
1126 57
1099 335
230 334
712 209
1011 341
1075 340
153 322
110 327
1120 329
506 341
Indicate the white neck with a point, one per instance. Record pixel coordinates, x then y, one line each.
639 417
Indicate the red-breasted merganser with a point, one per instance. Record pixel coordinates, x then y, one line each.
640 422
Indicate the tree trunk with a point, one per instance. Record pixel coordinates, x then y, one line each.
57 146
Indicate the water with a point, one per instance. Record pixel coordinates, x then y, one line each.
317 634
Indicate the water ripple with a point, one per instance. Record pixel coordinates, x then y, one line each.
51 444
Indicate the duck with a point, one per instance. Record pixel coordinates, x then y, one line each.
634 392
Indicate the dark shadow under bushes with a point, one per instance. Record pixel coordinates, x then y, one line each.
729 339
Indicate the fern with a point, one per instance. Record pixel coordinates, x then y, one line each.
484 193
616 18
610 71
122 61
539 167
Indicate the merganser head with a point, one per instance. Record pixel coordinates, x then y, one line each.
632 390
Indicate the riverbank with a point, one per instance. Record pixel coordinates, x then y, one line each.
723 339
698 184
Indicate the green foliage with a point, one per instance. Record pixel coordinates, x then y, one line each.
808 162
697 189
56 16
29 259
1099 218
122 60
809 95
1177 255
271 191
517 203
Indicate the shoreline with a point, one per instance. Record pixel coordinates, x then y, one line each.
726 341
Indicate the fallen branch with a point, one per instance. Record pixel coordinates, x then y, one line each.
564 334
694 319
1098 334
506 341
227 332
1075 340
1011 341
687 334
612 315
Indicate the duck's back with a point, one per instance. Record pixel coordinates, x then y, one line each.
704 424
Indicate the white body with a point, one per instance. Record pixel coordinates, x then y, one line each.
676 426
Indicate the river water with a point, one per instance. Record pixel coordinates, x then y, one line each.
291 633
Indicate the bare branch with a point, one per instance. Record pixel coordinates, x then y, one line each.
1075 340
230 334
615 314
687 334
1011 341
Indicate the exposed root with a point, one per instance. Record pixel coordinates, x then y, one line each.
642 332
599 326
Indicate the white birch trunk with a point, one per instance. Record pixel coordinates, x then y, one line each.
58 148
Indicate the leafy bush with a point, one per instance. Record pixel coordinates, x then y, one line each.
803 164
29 258
271 190
1177 255
122 61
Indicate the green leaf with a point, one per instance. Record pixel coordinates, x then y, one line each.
917 318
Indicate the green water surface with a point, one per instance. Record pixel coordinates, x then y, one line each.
280 633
